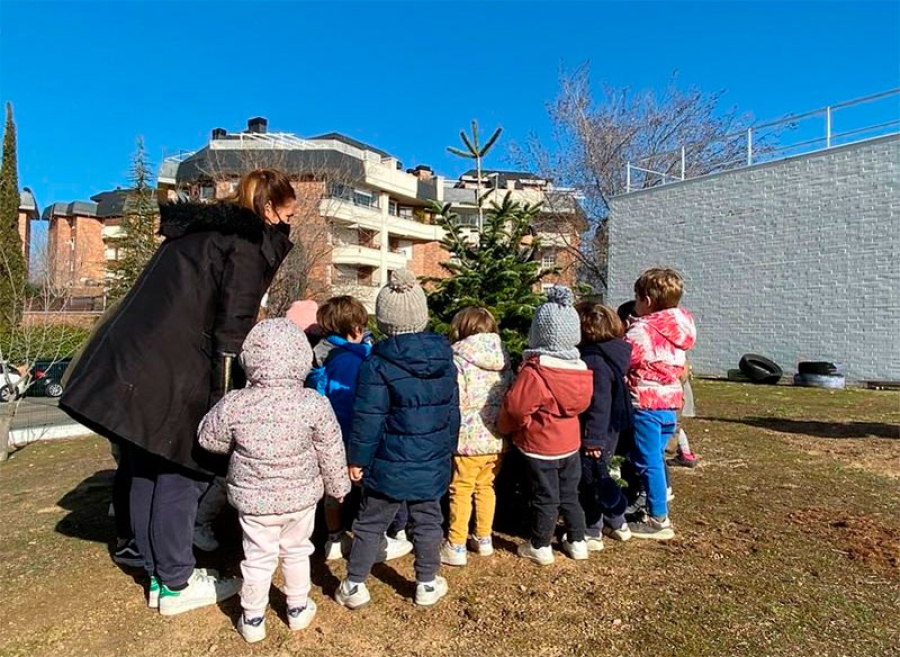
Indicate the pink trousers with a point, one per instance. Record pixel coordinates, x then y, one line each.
265 539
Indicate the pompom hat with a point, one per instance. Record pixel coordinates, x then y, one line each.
401 306
556 327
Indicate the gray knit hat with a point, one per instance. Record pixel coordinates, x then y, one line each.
556 327
401 306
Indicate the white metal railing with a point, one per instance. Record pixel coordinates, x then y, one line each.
638 177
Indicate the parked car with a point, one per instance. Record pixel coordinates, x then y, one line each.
46 376
12 384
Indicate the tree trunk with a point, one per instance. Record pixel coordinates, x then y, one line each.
6 418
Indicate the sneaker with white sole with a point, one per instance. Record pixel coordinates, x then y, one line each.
658 529
393 548
623 533
153 593
400 536
205 538
453 555
577 550
670 494
594 543
252 629
428 593
299 618
202 590
542 556
484 547
352 595
128 555
638 506
337 546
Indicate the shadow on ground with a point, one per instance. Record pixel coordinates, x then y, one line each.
820 429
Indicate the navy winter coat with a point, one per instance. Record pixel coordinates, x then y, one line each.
610 409
406 417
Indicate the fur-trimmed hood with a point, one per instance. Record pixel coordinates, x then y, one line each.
181 218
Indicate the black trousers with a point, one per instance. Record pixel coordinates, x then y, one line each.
554 493
164 499
121 493
602 499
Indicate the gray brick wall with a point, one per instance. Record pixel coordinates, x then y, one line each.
797 259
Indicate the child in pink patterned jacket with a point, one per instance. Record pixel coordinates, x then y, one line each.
659 337
286 452
483 375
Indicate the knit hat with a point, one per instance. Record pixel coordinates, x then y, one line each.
303 314
401 306
556 327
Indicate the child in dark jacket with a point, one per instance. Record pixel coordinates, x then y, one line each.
541 412
405 431
607 356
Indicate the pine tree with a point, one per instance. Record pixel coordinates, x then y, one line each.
13 269
139 226
495 269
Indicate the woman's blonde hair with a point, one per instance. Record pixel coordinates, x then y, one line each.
261 187
470 321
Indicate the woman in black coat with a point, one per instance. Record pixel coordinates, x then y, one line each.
149 375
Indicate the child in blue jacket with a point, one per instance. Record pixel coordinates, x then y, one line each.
405 431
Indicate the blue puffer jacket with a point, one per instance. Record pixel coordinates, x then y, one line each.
336 367
610 409
406 417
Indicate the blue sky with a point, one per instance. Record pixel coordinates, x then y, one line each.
87 78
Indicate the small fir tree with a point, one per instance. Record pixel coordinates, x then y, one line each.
140 220
13 269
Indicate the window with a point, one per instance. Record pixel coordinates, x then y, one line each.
393 208
207 193
406 213
548 259
467 219
362 197
346 275
546 286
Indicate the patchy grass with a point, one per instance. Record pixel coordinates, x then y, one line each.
788 543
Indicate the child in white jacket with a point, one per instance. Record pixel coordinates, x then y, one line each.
483 375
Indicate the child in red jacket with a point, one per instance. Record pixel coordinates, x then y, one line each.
659 337
541 411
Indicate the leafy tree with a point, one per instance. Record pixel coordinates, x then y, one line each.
139 226
494 268
12 262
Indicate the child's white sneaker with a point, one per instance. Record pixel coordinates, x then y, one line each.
594 543
202 590
153 593
352 595
205 538
670 494
299 618
401 536
483 546
623 533
657 529
453 555
336 545
542 556
394 548
577 550
428 593
252 629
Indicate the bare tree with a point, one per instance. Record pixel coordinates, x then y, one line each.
596 134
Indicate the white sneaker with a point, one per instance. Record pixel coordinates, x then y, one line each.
202 590
670 494
336 546
541 556
453 555
205 538
483 546
153 590
428 593
299 618
623 533
252 629
351 595
401 536
594 543
658 529
394 549
577 550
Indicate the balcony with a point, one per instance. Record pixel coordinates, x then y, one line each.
343 210
413 229
112 232
366 293
351 254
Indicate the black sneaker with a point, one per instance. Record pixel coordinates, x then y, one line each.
128 555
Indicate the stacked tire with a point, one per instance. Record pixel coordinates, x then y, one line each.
820 374
759 369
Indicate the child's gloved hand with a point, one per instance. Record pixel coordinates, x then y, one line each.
355 473
593 453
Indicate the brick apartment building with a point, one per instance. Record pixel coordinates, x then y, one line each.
361 215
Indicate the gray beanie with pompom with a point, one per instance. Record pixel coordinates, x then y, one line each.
556 327
401 306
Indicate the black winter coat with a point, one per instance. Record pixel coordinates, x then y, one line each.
610 409
406 417
150 374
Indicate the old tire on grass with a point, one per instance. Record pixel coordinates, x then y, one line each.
829 381
820 367
760 369
737 376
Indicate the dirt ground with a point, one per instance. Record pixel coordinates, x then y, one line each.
788 544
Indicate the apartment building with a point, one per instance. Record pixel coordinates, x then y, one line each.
361 215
